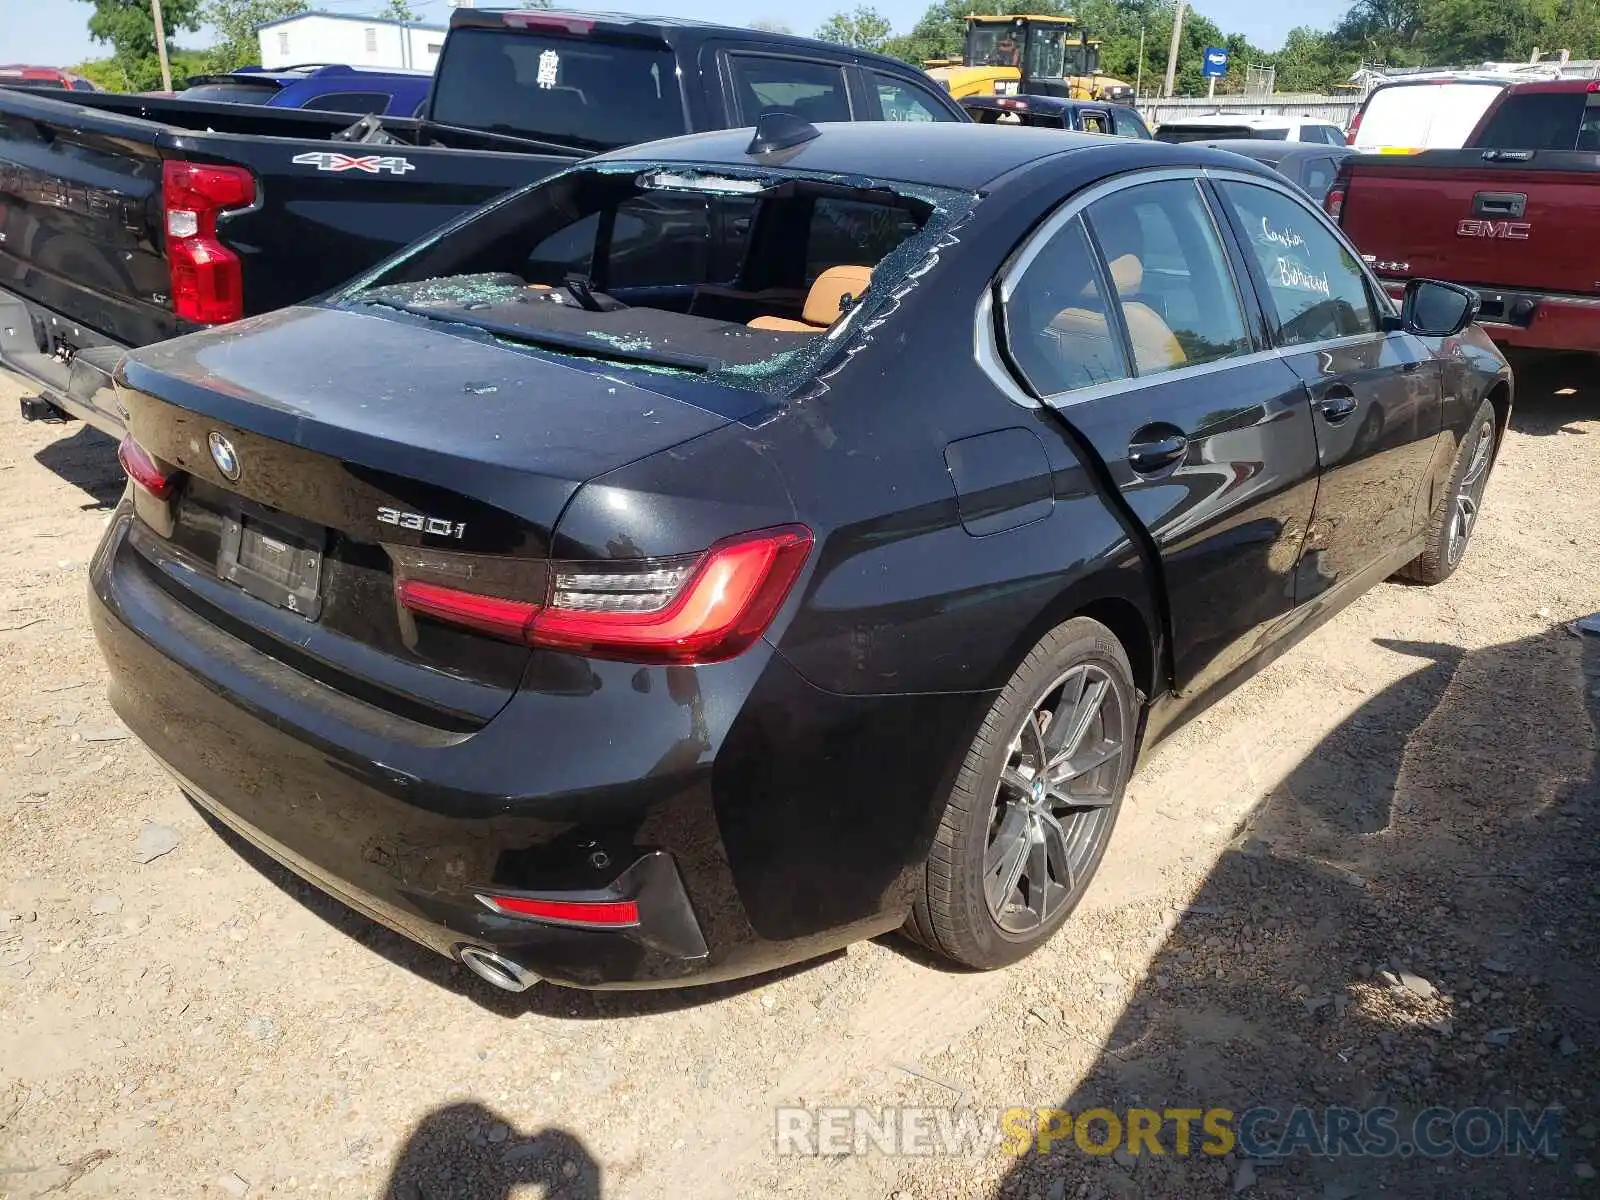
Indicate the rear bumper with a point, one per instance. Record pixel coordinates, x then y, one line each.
1535 320
67 363
756 820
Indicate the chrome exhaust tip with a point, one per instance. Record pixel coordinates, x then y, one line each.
497 969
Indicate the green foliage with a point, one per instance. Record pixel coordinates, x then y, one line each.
864 29
131 32
771 25
399 10
235 21
107 74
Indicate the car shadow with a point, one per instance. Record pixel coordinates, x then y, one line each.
87 460
543 999
1553 391
1378 936
466 1151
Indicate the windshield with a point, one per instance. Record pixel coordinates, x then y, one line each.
1083 58
1046 52
592 94
738 274
994 46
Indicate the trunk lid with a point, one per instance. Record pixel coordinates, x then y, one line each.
353 447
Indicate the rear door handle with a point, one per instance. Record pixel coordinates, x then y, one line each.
1337 406
1155 450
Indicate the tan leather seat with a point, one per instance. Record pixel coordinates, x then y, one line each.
1086 337
825 302
1155 347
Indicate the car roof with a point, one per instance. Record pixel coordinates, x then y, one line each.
1251 120
944 154
666 30
1266 150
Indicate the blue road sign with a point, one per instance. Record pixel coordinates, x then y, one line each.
1216 63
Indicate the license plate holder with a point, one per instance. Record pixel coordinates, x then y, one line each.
272 562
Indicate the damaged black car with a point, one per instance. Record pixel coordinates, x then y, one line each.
746 544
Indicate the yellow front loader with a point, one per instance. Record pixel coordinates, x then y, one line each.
1028 55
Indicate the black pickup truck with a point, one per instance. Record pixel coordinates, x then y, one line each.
125 220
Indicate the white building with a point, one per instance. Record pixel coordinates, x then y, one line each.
322 37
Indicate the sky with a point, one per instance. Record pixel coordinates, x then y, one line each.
55 32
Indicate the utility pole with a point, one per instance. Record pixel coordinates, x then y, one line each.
1172 52
1138 82
161 46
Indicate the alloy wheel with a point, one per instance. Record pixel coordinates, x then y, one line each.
1052 805
1469 494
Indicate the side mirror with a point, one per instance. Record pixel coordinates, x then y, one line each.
1432 308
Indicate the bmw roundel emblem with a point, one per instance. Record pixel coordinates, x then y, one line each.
225 456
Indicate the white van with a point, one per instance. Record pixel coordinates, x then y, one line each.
1423 114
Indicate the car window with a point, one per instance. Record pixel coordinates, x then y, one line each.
901 101
1419 116
1091 121
1058 326
1535 121
1171 276
1315 285
349 102
671 240
1127 124
592 94
1317 177
813 91
852 233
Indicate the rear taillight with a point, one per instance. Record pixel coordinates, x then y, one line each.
143 469
207 280
1355 128
1334 201
692 609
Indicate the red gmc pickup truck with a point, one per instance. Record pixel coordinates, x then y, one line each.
1513 214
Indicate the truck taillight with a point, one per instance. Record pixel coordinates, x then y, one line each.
1334 201
698 608
207 280
1355 128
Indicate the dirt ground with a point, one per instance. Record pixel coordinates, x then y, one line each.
1367 878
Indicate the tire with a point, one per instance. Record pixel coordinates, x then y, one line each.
1455 517
998 826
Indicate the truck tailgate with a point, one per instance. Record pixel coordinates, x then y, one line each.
1471 217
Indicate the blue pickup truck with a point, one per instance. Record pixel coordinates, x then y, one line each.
325 87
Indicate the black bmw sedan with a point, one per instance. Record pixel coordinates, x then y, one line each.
742 545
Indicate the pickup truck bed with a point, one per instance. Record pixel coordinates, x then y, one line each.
125 220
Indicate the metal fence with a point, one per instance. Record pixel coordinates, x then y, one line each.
1336 109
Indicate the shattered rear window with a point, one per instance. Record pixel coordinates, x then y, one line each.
746 277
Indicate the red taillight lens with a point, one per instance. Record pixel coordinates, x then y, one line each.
207 280
510 619
1355 128
1334 202
701 609
614 913
143 469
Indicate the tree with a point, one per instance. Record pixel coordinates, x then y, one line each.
131 32
236 21
864 29
399 10
771 25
